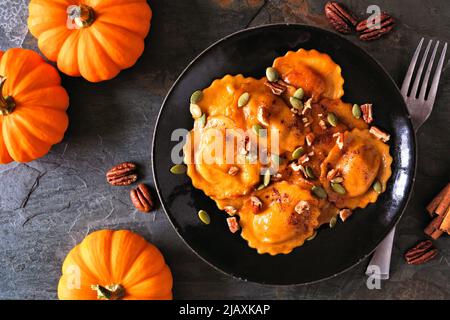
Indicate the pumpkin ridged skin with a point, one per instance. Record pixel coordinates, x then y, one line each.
113 42
39 119
122 257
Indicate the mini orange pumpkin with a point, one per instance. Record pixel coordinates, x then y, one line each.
113 265
32 106
95 39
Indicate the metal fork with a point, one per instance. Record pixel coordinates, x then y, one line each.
419 104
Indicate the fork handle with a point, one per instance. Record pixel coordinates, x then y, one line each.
381 260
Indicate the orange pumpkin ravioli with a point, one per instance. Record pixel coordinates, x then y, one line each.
362 161
278 228
113 265
210 154
32 106
95 39
315 72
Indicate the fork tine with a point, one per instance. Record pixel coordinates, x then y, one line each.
437 75
419 72
423 90
410 71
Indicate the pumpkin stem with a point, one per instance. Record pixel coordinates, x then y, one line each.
81 15
110 292
7 103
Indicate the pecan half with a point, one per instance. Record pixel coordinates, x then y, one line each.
421 253
141 198
370 30
340 17
277 87
123 174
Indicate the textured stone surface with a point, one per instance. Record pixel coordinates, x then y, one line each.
113 122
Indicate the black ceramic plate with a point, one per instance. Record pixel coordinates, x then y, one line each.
334 250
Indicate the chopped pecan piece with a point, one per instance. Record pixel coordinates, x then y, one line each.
230 210
344 214
340 140
303 159
302 207
277 87
367 112
295 167
233 225
383 136
310 139
256 204
307 107
323 124
277 177
333 173
263 115
233 170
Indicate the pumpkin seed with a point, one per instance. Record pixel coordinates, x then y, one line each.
319 192
356 110
178 169
309 172
196 96
272 74
332 119
337 180
260 187
297 153
333 222
202 120
267 177
256 129
195 110
243 99
312 236
299 94
296 103
377 186
204 217
338 188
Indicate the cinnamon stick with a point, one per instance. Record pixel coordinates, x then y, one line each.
445 203
445 225
438 202
433 229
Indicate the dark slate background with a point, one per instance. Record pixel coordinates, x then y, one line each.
49 205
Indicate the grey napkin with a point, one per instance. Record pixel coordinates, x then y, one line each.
381 260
